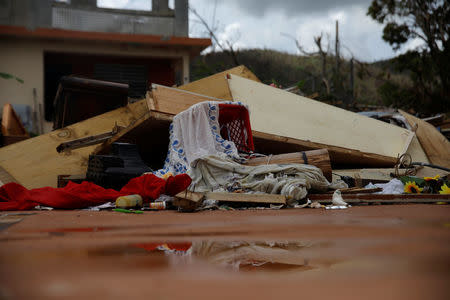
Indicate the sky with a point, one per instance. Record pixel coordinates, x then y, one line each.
265 24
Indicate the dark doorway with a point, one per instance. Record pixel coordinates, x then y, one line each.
138 72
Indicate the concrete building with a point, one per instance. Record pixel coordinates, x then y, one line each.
43 40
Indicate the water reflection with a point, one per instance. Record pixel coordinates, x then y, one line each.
246 256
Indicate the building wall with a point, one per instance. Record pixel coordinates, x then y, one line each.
25 59
84 15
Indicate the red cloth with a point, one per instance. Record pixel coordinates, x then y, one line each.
13 196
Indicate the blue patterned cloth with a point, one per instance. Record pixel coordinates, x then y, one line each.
195 133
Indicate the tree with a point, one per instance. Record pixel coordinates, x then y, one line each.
225 46
429 64
322 52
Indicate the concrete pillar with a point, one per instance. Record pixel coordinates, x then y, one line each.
181 18
185 69
160 5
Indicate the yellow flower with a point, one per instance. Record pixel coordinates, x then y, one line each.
444 189
432 178
412 188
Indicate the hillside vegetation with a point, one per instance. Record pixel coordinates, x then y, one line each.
370 80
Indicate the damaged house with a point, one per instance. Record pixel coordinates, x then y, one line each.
42 41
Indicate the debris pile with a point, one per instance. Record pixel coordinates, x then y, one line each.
226 141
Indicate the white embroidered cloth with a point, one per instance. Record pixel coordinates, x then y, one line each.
195 133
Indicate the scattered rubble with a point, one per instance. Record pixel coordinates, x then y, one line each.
242 143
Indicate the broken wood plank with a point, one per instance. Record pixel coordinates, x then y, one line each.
216 85
189 201
318 158
35 162
277 112
436 146
174 101
250 198
191 196
383 198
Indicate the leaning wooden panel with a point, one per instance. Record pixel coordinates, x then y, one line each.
436 146
281 113
216 85
36 163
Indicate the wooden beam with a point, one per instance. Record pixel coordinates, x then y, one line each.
216 85
318 158
436 146
247 198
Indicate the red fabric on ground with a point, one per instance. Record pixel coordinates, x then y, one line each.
13 196
177 184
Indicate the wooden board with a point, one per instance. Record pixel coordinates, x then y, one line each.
216 85
277 112
436 146
247 198
384 175
11 123
173 100
36 163
380 198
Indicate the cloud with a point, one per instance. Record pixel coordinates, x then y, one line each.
126 4
291 8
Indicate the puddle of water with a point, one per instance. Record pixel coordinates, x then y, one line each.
244 256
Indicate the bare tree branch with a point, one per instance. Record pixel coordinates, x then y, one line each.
297 43
213 36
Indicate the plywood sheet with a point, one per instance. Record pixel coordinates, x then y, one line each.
277 112
36 163
216 85
435 145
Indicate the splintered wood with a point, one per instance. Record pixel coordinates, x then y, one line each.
436 146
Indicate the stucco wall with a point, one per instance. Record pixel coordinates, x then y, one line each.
25 59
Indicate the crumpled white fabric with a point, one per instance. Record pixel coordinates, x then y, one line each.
212 173
395 186
195 133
